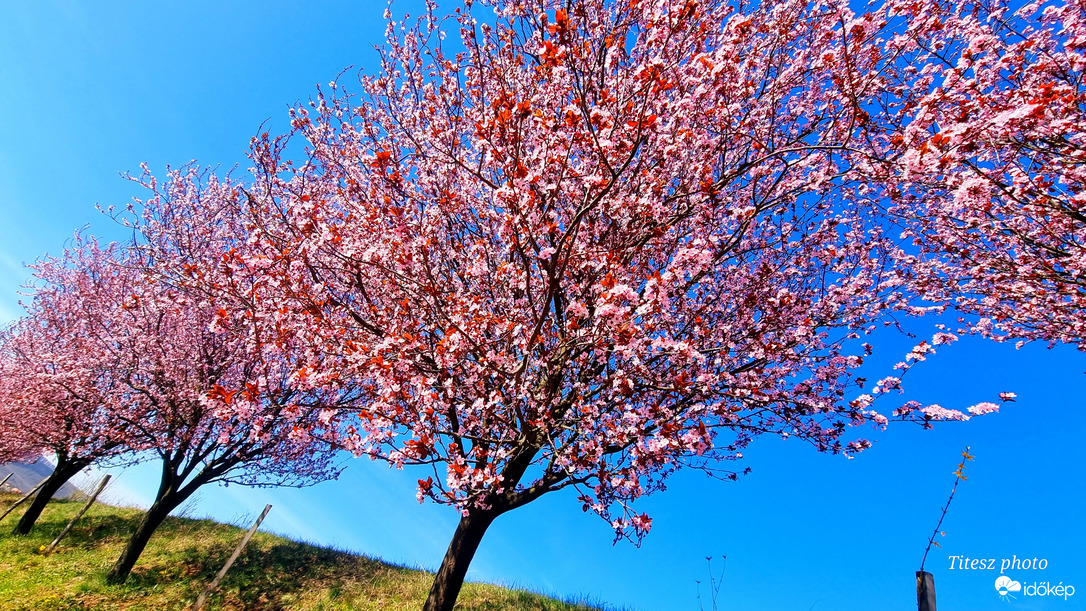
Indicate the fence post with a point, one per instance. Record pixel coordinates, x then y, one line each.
925 591
230 562
23 500
101 486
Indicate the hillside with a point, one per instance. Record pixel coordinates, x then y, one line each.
272 573
26 475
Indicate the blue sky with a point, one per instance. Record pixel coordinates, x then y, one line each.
91 90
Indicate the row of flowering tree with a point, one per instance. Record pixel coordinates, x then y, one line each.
592 242
112 365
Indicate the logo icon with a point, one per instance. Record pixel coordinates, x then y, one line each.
1005 585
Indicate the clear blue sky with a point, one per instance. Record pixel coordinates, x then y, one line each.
88 90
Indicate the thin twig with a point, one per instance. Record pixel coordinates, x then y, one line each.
715 583
959 476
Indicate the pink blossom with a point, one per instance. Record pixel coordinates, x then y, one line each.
983 408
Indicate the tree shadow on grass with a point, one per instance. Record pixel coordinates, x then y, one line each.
102 531
265 573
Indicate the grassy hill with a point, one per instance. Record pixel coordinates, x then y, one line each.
185 554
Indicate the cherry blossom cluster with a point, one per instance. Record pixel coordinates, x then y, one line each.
989 161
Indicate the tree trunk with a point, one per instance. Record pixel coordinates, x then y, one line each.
454 567
150 522
64 471
167 499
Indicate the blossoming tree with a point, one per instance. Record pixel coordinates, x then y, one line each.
597 242
206 395
56 382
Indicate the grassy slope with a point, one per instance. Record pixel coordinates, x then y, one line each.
185 554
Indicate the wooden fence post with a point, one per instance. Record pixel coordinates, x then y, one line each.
200 602
925 591
23 500
53 545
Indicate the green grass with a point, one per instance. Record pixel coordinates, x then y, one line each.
185 554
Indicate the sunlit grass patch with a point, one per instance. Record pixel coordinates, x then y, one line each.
185 554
